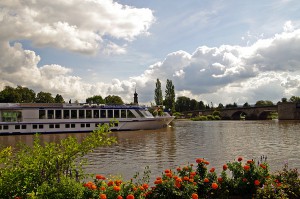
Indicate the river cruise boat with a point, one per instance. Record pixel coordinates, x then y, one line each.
31 118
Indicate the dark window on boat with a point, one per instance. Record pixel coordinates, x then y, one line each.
57 126
11 116
50 114
5 127
17 126
57 114
88 125
116 113
66 114
34 126
82 125
42 114
130 114
110 113
116 124
123 113
51 126
67 126
24 126
0 127
72 125
88 113
74 114
96 113
81 114
140 114
103 113
41 126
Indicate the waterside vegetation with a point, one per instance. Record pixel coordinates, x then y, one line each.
50 170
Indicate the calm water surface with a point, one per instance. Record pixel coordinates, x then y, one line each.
217 141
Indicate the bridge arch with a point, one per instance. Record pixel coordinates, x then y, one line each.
238 115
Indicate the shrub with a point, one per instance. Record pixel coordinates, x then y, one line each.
32 168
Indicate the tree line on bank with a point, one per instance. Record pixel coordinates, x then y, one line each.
25 95
182 103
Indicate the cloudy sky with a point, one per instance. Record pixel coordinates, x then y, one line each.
219 51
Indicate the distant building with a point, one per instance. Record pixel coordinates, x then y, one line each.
135 98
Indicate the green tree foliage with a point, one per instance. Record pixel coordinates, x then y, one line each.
44 97
264 103
295 99
158 98
27 95
182 104
48 170
9 95
246 105
59 99
234 105
96 99
194 105
201 105
220 106
170 96
113 99
284 99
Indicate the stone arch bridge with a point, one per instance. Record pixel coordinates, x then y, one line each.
237 113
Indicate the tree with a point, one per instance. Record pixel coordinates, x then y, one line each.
246 105
113 99
59 99
194 105
284 99
182 104
294 99
264 103
158 98
26 95
220 106
96 99
201 105
170 96
9 95
44 97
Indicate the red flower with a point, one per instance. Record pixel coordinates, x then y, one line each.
102 196
225 167
263 166
246 167
250 161
245 180
167 171
212 170
100 177
185 178
130 196
206 180
256 182
214 185
178 169
199 160
146 186
194 196
220 179
110 183
119 197
117 188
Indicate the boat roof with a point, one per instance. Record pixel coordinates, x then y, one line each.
66 105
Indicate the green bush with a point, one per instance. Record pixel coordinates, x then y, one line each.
25 170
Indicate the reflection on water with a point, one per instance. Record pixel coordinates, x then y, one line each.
217 141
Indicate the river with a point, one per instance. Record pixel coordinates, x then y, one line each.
184 141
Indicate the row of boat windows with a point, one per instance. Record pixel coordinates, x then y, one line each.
53 126
82 114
